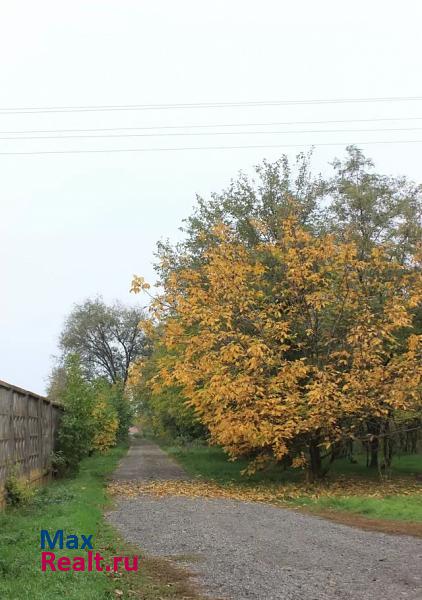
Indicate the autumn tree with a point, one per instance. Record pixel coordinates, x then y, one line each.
373 209
265 197
104 416
356 204
283 349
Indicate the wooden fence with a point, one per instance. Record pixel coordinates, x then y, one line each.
28 425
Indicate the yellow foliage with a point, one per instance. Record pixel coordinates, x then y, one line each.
138 284
106 426
297 342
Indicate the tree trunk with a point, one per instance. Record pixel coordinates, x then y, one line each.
373 428
373 447
315 462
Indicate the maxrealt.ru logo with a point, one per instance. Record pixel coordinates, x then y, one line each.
90 561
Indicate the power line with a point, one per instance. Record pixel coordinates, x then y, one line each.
189 105
176 149
183 133
208 125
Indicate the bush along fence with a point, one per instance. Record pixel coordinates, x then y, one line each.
28 426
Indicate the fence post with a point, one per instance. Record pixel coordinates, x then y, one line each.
27 452
51 429
12 445
39 438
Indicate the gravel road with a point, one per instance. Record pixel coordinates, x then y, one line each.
145 461
244 550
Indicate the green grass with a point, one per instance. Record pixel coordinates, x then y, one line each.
211 463
76 506
403 465
389 508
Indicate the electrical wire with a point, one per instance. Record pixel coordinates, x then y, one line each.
195 105
206 126
197 148
131 135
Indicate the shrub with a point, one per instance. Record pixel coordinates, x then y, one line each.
96 415
18 491
76 427
58 463
124 410
105 424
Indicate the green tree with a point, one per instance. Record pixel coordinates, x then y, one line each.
106 338
355 202
120 400
163 409
253 207
76 429
371 208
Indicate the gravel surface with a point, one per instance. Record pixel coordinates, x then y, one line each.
145 461
246 550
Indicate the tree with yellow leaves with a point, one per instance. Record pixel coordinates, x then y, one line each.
286 348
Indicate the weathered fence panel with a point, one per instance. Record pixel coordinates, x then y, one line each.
28 425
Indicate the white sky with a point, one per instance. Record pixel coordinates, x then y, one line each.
72 226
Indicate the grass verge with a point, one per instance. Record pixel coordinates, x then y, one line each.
76 506
351 489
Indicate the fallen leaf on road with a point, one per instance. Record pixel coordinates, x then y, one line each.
277 493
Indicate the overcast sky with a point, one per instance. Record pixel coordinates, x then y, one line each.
77 225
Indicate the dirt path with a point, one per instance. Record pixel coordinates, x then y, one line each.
245 550
145 461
